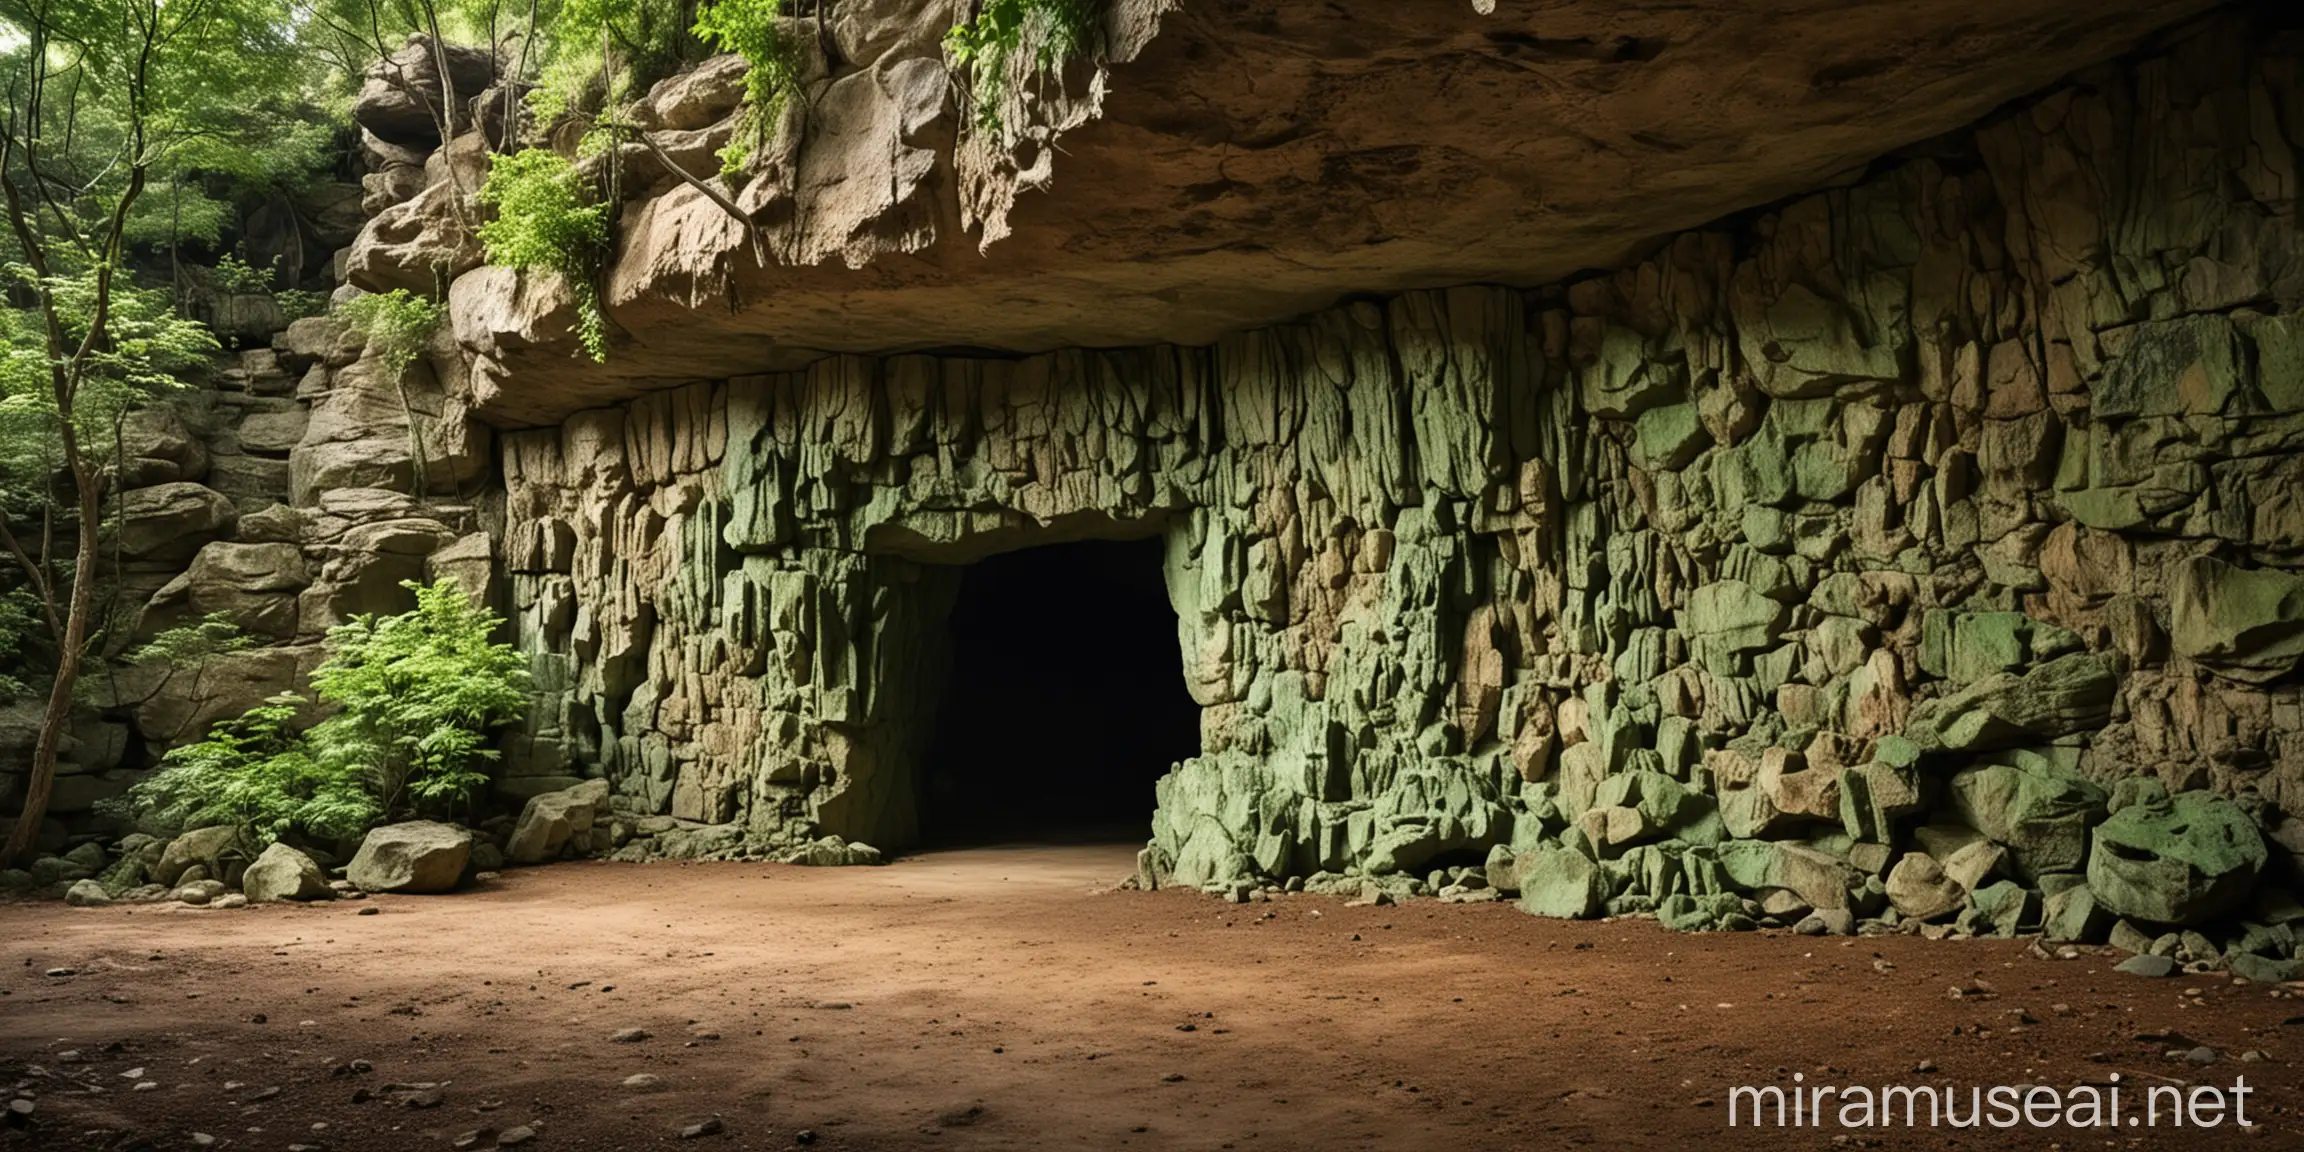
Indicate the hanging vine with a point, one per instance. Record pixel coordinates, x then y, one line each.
1034 38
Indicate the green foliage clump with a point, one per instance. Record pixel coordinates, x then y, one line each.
419 693
397 326
255 772
146 349
298 303
546 218
238 277
598 54
19 628
190 645
417 696
1005 34
749 28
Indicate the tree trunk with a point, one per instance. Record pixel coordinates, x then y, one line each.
70 649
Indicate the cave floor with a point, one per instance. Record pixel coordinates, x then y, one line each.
1008 998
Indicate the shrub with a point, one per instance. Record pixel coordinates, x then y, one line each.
396 324
417 696
253 772
238 277
545 218
298 303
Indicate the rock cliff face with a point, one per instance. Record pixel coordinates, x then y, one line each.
1873 548
1232 164
1925 547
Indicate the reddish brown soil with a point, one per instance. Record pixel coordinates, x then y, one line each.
1006 999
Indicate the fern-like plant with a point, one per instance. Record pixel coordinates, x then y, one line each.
254 772
993 48
546 218
417 697
419 694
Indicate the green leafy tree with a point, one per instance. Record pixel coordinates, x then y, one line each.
103 97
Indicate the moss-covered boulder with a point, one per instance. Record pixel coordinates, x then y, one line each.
1561 883
2039 809
2247 624
2186 859
2065 696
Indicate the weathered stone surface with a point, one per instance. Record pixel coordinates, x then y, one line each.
1632 115
1561 883
255 585
1920 890
2185 859
213 850
172 521
1903 515
2064 696
2039 811
402 97
2244 623
548 823
418 856
283 873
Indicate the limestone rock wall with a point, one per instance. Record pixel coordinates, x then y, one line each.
1901 546
292 490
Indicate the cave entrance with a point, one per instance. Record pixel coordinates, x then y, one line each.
1065 703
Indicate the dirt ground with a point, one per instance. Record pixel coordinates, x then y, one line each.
1008 998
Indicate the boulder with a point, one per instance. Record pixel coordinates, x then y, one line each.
223 687
401 97
418 856
172 521
87 894
1734 616
833 852
1965 854
1561 883
1795 789
156 448
2073 916
2038 810
253 584
198 893
215 850
2184 860
2067 695
283 873
550 821
699 97
273 431
2245 624
1920 890
1819 879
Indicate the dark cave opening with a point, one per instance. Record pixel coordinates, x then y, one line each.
1065 702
